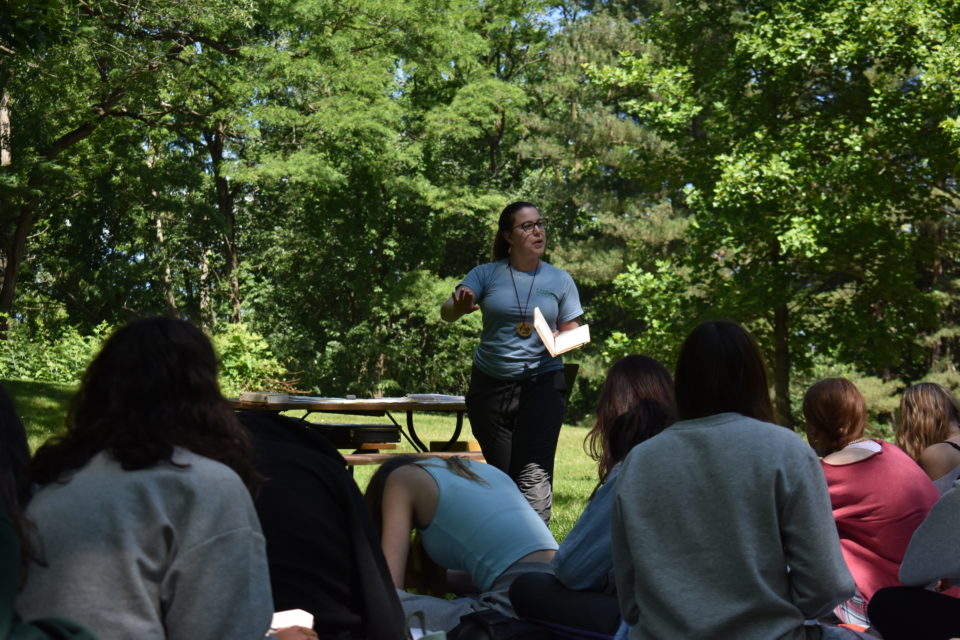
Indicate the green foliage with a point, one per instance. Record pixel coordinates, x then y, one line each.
246 362
41 354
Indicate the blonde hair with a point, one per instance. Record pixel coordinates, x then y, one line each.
926 412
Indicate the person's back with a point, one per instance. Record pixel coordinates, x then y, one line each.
481 527
878 503
711 514
324 554
146 553
145 518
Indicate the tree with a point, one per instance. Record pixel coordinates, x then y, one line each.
811 148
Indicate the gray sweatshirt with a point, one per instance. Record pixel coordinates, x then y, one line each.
707 519
934 550
166 552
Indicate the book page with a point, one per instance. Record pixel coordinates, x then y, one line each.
568 340
565 340
544 330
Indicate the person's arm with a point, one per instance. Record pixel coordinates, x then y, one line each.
584 560
461 302
819 578
623 561
932 552
568 325
397 525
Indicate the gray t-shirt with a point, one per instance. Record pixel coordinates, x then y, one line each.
502 352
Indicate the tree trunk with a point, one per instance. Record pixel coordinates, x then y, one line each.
5 154
227 209
168 296
208 316
781 366
13 259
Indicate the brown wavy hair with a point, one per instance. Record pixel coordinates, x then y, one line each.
636 403
501 248
152 387
926 412
835 413
720 369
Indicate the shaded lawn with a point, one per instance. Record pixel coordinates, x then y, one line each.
42 407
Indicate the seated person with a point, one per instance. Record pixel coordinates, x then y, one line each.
472 520
323 551
878 494
721 524
16 551
916 611
636 403
144 515
928 429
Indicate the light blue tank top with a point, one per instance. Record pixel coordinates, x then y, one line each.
481 528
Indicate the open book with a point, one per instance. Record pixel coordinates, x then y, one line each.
565 340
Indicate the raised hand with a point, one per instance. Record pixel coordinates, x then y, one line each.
464 301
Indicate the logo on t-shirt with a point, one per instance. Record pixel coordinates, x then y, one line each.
545 292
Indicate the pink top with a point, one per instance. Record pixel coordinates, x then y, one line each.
878 503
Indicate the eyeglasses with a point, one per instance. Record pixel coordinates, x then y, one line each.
528 226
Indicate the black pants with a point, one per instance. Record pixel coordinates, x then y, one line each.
517 423
914 613
541 596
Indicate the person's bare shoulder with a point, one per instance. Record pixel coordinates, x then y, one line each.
939 459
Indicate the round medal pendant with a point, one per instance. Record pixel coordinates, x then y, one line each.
524 329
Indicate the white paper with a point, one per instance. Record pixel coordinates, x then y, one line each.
565 341
292 618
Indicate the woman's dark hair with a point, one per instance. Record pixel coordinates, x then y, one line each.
152 387
501 248
636 403
15 483
835 413
720 369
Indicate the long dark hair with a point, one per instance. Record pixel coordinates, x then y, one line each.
636 403
720 369
152 387
501 248
15 484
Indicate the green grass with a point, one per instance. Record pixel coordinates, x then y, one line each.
43 405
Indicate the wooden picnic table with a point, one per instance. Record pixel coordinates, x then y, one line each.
409 404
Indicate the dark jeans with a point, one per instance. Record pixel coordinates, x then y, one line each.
914 613
517 423
541 596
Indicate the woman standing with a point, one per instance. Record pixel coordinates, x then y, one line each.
517 395
928 429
